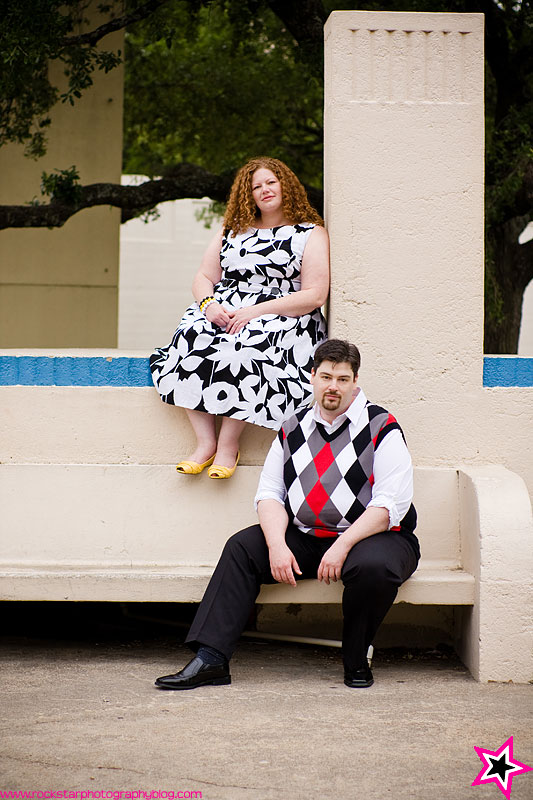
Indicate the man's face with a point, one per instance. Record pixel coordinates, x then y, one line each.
334 387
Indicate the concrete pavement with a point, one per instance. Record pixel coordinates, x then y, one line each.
84 715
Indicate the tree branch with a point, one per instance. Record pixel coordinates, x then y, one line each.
182 181
93 37
185 180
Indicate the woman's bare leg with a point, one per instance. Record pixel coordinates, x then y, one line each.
203 426
228 441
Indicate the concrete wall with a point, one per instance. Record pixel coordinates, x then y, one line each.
59 288
94 407
404 185
158 261
404 167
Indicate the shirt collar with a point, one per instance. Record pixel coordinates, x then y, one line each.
353 412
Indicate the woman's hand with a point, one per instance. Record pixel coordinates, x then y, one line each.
239 318
217 314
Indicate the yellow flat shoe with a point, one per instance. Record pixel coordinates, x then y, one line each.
193 467
218 472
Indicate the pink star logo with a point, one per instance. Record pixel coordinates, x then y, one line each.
500 767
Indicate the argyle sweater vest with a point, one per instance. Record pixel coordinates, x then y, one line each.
329 476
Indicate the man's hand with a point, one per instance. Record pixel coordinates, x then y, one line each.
333 559
283 565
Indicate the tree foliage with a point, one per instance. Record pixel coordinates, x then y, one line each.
33 34
211 82
217 90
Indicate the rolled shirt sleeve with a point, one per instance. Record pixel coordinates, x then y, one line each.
393 478
271 484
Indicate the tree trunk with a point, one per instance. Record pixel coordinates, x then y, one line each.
509 269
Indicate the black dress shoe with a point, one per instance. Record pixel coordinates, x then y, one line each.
359 678
196 673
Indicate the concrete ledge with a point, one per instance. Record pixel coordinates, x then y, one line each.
496 519
507 371
142 533
130 369
428 586
110 369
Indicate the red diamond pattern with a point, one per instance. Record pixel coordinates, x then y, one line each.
317 499
323 459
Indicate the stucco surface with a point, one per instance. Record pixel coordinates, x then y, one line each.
404 123
59 287
61 425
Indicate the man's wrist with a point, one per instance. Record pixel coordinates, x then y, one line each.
345 541
277 545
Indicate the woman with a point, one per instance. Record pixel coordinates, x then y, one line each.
244 349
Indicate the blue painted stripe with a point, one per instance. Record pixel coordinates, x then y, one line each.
74 371
130 371
507 371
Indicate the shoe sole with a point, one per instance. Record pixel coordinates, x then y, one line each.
366 685
214 682
195 467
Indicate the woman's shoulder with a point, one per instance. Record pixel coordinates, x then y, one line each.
288 230
306 225
306 229
313 231
231 234
310 227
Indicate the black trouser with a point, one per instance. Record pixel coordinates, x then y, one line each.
374 569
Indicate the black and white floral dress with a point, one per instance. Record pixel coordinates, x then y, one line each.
261 374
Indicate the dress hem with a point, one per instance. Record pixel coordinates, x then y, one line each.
274 427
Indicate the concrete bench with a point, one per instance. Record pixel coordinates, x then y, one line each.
142 533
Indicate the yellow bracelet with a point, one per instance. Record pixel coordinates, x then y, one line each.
206 303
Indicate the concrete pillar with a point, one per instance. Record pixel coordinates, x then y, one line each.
404 197
59 287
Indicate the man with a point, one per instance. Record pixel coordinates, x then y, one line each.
334 502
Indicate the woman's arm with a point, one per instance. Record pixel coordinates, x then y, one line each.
313 292
209 273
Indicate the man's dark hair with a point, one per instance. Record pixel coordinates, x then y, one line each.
337 351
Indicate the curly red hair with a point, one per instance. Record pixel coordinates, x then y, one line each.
241 211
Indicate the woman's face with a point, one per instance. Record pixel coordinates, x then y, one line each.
266 190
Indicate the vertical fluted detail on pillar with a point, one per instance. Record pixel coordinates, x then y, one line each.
417 66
